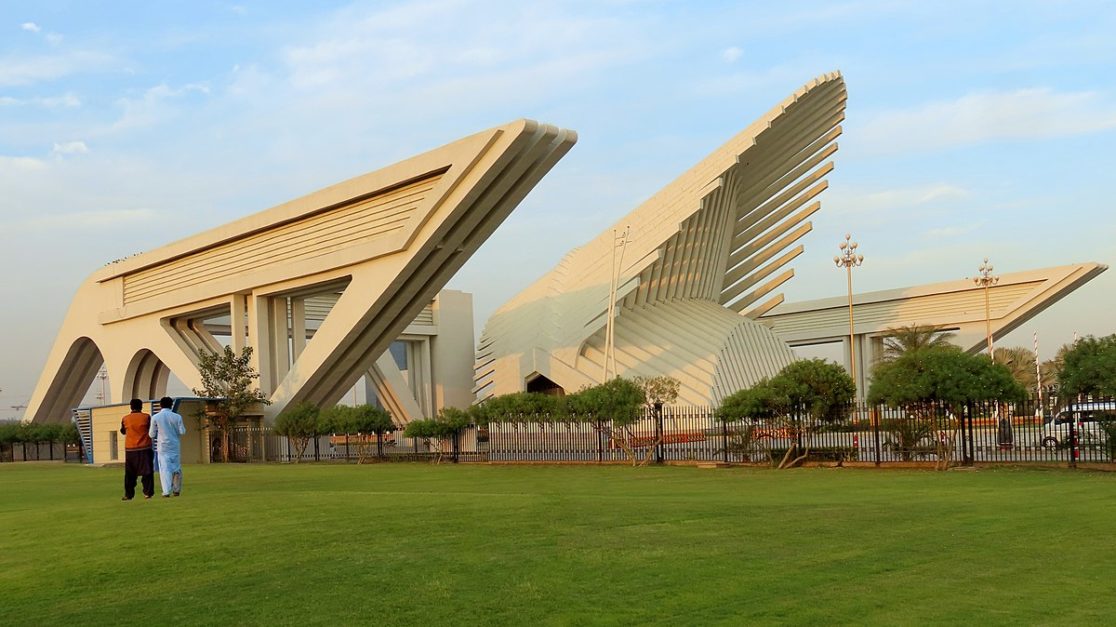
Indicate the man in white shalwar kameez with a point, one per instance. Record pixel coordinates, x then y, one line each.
167 430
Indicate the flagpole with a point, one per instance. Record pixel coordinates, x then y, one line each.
1038 377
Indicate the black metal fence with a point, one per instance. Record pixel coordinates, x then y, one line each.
975 433
262 444
39 451
1080 431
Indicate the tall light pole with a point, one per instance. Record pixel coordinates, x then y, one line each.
987 280
619 240
848 259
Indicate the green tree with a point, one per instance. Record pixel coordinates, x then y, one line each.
803 397
300 424
935 384
1089 367
9 435
658 391
440 430
52 434
521 407
621 403
902 340
229 379
1020 361
363 421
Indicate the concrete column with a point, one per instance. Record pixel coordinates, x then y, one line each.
238 312
452 350
298 326
422 372
280 338
259 338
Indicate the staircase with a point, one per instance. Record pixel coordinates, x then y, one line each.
83 420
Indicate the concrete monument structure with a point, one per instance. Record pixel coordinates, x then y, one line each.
956 306
319 287
689 279
702 260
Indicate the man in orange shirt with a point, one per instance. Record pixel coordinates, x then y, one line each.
138 456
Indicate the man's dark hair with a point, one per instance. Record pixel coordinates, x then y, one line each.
136 404
166 402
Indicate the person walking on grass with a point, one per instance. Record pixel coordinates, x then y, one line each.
138 456
167 430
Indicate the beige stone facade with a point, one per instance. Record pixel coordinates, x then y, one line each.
374 251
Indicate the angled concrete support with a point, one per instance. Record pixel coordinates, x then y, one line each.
394 237
695 258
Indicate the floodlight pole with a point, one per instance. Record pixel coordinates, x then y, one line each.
848 259
987 280
621 241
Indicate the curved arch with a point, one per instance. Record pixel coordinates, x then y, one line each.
146 377
71 380
711 350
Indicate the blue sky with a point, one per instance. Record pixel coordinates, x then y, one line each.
974 129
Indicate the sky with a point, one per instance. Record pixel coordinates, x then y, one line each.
974 129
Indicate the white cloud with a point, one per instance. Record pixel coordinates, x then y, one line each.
948 232
21 164
54 38
67 100
70 148
30 27
153 106
987 116
856 202
364 52
17 70
732 54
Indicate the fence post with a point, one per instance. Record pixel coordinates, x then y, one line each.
600 442
968 446
317 457
874 418
658 433
380 444
456 445
964 419
724 441
346 448
1073 438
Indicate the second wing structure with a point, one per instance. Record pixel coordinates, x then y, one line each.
702 259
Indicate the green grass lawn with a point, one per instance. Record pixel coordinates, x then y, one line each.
419 544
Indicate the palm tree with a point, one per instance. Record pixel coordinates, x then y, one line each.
902 340
1021 362
1052 368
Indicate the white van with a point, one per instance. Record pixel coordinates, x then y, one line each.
1089 424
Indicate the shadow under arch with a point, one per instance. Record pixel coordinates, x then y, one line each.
71 381
146 377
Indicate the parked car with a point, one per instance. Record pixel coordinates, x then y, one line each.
1088 422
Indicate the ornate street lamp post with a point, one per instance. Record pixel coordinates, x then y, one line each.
987 280
847 260
621 241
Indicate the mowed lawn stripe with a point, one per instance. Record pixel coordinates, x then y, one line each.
420 544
